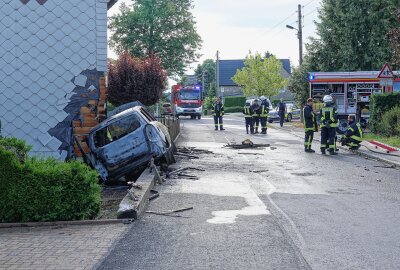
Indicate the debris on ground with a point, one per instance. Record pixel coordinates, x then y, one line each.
186 155
171 213
258 171
272 148
254 154
188 176
179 172
385 166
193 150
246 144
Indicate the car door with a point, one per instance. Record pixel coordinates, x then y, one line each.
121 142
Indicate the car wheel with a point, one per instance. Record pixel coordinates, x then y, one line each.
342 126
289 118
270 121
199 117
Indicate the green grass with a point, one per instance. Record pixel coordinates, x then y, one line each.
393 141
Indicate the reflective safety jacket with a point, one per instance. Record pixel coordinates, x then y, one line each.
247 111
218 109
329 117
256 110
309 121
354 132
264 109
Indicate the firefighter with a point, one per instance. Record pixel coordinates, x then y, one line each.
264 114
329 121
353 136
256 115
218 113
310 125
281 111
248 116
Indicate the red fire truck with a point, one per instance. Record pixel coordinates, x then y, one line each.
351 92
187 100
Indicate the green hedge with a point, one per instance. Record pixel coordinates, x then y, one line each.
234 102
390 124
379 105
233 109
44 189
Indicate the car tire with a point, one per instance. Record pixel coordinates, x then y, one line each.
343 125
289 118
270 121
199 117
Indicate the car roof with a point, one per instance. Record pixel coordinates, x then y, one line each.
122 114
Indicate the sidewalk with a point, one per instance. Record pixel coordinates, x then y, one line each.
70 247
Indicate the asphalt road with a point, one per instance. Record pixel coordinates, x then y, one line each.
270 208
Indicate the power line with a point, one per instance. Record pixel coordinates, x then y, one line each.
315 9
308 3
278 24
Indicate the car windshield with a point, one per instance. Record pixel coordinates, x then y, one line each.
189 95
116 130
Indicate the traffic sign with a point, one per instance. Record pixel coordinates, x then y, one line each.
386 72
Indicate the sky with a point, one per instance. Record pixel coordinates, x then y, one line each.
235 27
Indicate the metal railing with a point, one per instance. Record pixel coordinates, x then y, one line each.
172 123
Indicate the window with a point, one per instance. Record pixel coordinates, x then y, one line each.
189 95
116 130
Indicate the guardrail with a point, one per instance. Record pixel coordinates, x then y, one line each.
172 123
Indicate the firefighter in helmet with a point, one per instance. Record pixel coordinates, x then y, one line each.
329 120
264 114
248 116
218 112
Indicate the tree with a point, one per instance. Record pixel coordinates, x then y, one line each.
131 79
394 36
353 35
164 28
260 76
298 83
208 69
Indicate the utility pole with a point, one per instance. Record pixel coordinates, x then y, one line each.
217 73
300 36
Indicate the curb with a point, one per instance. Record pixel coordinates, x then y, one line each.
130 208
65 223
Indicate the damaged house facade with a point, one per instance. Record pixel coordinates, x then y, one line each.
53 62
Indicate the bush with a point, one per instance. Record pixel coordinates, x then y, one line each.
234 102
233 109
208 102
390 124
44 189
379 105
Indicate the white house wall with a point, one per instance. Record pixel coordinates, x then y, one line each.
52 53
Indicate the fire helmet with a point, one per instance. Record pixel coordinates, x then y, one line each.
328 99
262 97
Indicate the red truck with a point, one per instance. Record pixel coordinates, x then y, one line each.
187 100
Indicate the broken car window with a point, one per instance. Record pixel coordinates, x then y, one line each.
116 130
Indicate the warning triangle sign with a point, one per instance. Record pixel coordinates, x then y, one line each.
386 72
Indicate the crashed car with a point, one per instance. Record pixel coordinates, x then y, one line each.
127 141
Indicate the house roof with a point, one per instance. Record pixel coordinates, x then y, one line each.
111 3
228 68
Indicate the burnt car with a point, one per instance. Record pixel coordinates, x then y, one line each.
127 141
